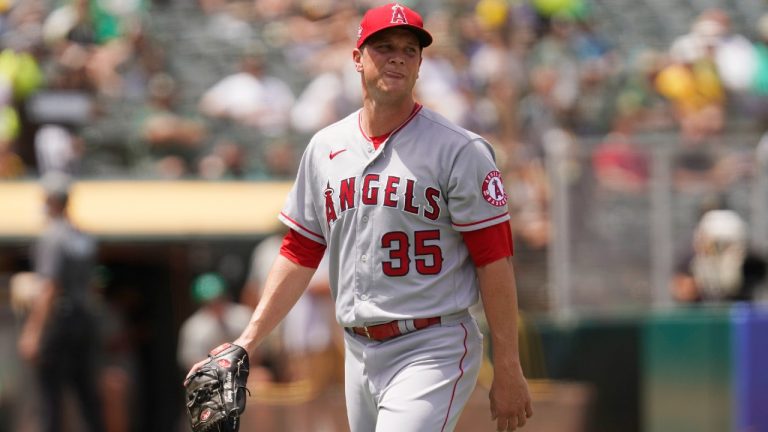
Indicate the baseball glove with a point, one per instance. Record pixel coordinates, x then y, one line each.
216 391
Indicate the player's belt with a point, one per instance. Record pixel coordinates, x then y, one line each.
389 330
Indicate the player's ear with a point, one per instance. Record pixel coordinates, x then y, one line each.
357 57
421 58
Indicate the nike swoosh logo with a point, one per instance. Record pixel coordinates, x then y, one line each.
336 153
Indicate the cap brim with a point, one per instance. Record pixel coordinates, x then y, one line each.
425 39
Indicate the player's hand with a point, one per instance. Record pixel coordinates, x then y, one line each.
240 342
510 398
194 369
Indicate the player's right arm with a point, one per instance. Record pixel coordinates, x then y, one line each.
285 283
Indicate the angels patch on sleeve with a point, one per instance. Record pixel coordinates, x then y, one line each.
493 189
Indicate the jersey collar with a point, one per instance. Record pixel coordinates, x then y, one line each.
377 141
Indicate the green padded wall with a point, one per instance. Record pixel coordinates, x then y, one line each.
687 368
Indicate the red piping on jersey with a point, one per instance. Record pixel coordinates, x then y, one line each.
303 227
416 108
461 374
479 222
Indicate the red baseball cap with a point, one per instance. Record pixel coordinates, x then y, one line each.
392 15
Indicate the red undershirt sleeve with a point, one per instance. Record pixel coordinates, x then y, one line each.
302 250
489 244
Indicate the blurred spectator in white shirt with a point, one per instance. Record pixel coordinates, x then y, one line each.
57 149
251 97
323 100
733 53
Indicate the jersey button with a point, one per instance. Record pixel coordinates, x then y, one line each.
365 219
364 258
364 297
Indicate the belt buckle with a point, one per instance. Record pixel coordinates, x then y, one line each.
367 334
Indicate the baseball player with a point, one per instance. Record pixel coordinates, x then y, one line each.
412 211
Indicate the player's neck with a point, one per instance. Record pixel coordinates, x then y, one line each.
381 118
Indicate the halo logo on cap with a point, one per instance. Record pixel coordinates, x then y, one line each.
398 16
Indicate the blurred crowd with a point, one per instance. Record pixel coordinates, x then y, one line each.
233 89
112 89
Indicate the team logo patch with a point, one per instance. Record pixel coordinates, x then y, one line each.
205 415
493 189
398 15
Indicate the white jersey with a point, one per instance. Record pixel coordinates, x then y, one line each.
392 218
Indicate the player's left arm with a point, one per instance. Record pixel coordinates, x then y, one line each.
510 398
478 208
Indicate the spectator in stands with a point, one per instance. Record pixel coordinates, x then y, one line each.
758 97
9 117
320 51
540 110
58 149
592 110
251 97
529 197
598 66
227 22
322 101
144 59
95 37
636 95
760 83
59 337
443 86
281 159
721 265
619 165
21 69
171 141
554 52
692 84
11 164
19 62
733 54
227 160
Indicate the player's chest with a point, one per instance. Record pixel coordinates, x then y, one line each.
402 176
396 162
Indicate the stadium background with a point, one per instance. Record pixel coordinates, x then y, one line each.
608 170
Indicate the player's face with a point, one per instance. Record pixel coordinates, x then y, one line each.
389 62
